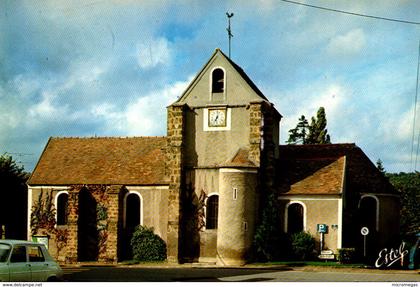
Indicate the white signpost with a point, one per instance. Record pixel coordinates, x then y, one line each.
364 231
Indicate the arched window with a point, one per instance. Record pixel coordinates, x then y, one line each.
295 218
218 81
62 200
368 212
212 209
132 211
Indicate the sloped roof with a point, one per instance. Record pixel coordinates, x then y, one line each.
241 159
244 76
324 169
111 160
313 176
234 65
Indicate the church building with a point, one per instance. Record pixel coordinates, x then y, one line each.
202 186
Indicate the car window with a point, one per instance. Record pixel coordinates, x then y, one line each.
18 254
4 252
35 254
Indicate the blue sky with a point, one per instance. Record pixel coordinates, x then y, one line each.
110 68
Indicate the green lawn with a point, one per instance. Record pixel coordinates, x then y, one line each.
311 263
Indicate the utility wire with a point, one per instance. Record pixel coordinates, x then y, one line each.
352 13
418 66
414 119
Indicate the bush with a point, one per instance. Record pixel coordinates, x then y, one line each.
147 246
302 245
346 255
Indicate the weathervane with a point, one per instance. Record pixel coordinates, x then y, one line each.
230 35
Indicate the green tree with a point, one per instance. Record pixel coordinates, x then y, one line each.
269 241
408 184
380 166
300 132
13 192
318 133
314 133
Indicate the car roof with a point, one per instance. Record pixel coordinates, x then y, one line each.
15 242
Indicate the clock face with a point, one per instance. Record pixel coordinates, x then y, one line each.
217 118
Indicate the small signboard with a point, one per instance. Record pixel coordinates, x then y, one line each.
364 231
41 239
327 254
322 228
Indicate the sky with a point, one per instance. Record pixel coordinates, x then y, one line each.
110 68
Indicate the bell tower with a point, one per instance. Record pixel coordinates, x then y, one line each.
222 140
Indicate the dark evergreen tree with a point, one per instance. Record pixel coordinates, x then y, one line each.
408 184
13 203
318 133
299 134
380 166
315 133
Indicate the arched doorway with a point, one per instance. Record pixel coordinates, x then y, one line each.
132 218
295 218
368 211
88 237
369 217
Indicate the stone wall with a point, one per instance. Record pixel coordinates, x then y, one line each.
72 223
175 130
108 227
255 125
237 214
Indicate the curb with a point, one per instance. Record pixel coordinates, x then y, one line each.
251 266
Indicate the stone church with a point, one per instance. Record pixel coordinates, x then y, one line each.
201 187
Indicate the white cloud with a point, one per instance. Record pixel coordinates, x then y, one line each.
45 108
144 116
347 44
334 97
153 53
397 129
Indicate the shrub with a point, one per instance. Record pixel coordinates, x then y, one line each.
346 255
269 242
302 245
147 246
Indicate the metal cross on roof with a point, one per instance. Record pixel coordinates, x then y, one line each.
230 35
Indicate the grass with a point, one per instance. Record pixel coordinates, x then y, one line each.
136 262
313 263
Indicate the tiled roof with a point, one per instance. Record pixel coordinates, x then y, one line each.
241 159
112 160
321 169
313 176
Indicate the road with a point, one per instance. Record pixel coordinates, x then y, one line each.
156 274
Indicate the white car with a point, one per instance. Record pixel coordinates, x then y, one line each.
27 261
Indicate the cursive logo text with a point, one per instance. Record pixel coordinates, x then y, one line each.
388 258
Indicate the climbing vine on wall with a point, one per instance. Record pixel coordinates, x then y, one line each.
193 208
43 214
43 220
101 197
61 236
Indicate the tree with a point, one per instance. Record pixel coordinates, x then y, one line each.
380 166
13 192
318 133
299 134
315 133
408 184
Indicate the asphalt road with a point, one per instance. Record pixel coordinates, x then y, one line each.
156 274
